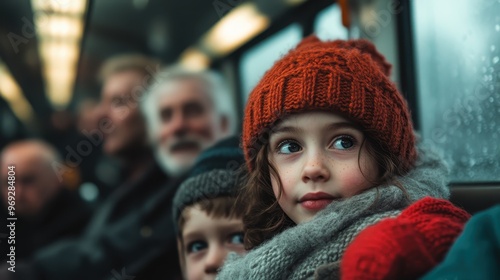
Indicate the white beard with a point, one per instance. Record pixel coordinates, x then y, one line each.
171 165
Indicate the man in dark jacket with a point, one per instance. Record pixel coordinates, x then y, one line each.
44 209
186 112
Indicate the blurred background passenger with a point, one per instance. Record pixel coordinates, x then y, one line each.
99 172
187 112
132 230
118 233
46 210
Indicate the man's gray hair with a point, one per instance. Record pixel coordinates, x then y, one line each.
128 62
220 95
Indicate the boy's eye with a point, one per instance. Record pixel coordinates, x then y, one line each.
237 238
289 147
343 142
196 246
118 101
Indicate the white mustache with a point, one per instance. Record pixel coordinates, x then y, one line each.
185 141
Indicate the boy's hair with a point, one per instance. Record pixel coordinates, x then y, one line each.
219 207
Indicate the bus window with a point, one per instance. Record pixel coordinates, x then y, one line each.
255 62
328 24
458 79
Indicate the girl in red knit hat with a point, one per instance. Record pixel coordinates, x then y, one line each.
338 187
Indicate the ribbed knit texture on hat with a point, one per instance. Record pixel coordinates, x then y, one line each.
216 173
349 78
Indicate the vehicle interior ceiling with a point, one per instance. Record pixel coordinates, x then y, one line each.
169 30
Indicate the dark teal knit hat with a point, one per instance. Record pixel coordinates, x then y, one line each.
216 173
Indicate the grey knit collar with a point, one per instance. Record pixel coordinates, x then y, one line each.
279 256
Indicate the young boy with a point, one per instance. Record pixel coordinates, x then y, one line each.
208 227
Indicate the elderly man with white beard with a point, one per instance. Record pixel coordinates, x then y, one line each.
187 112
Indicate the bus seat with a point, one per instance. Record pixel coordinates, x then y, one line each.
475 198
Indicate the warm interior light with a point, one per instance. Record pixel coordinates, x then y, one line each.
60 76
194 59
60 6
59 51
60 93
294 2
59 25
13 95
65 73
236 28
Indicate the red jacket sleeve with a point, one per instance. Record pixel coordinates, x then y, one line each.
407 246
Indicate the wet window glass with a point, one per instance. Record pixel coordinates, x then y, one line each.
328 24
458 79
256 61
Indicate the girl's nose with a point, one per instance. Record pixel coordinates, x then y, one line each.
316 169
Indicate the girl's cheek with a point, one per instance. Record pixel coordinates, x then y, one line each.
355 183
274 184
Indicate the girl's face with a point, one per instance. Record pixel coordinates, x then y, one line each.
316 156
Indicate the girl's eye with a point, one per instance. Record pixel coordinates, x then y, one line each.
343 142
196 246
289 147
236 238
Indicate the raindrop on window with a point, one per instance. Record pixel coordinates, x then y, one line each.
469 89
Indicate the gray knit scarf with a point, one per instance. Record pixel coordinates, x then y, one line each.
314 249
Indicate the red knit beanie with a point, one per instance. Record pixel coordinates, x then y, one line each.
349 78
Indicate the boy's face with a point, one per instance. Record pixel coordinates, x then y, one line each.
207 241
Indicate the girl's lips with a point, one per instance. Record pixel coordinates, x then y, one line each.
316 204
316 201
